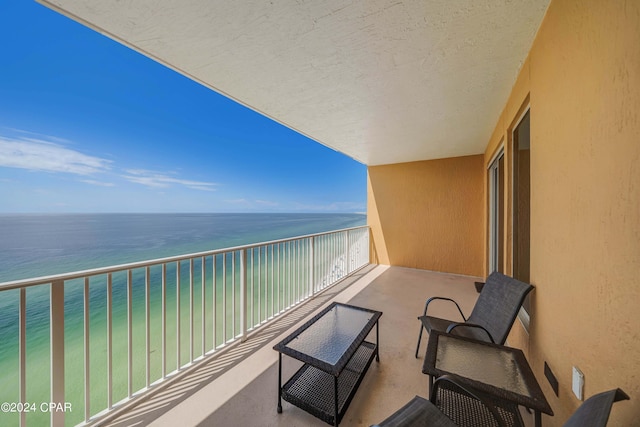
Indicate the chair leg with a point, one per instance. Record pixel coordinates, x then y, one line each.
419 339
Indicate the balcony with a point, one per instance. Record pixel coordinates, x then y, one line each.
428 204
264 297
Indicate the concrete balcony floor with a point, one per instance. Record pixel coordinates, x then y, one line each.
238 387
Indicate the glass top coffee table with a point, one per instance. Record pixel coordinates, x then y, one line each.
497 370
336 356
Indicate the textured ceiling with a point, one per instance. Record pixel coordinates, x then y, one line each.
381 81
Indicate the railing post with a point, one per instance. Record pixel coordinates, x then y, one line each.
22 352
57 350
311 267
129 333
243 295
87 352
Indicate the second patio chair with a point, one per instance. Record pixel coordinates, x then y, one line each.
492 316
457 406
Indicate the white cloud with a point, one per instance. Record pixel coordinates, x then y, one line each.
41 155
160 180
44 153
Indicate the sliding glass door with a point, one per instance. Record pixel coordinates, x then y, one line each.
496 214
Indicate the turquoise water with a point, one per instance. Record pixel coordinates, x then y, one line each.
39 245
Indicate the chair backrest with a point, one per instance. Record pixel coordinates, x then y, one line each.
594 412
498 305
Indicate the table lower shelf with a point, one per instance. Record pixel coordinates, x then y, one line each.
313 390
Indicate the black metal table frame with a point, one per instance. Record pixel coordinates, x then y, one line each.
336 369
535 401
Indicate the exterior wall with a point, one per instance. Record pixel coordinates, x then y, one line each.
428 215
582 80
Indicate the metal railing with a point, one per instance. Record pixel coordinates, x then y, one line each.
111 333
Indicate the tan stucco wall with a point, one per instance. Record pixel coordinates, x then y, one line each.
582 80
429 214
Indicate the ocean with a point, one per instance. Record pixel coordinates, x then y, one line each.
36 245
43 244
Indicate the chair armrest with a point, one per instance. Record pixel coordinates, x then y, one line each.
469 325
468 390
426 306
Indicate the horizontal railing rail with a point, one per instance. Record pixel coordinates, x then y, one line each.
111 333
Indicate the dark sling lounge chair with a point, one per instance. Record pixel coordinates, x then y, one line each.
492 316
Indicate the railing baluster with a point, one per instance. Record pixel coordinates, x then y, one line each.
191 310
334 245
87 354
273 296
147 312
259 285
312 290
278 280
327 256
109 341
224 298
164 320
265 281
214 283
178 337
267 300
22 351
288 274
294 266
203 309
233 295
337 258
129 333
323 262
253 293
334 258
299 269
243 294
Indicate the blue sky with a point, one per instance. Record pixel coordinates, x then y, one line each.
88 125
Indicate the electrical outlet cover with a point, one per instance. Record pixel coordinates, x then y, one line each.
578 382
